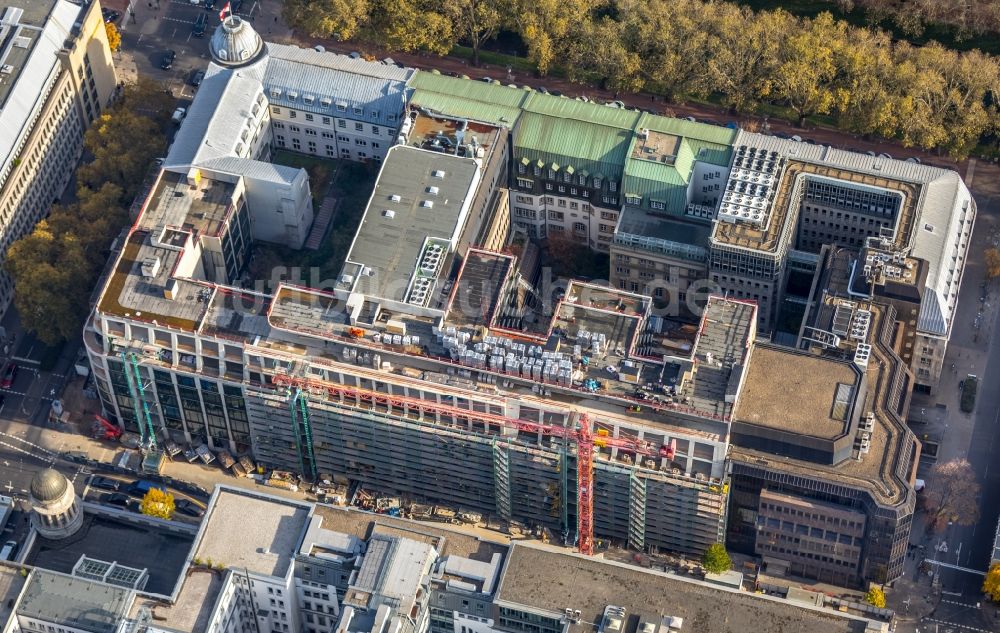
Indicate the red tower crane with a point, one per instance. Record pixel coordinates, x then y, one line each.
584 437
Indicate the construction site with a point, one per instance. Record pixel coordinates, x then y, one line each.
443 377
434 371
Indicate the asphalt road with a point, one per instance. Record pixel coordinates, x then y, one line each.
956 604
157 27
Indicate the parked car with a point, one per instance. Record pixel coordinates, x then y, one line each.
104 483
190 508
179 115
9 374
197 77
119 499
141 487
168 60
200 25
8 551
110 16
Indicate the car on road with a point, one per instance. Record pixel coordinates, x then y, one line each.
119 499
110 16
190 508
197 77
141 487
9 374
104 483
179 115
209 5
168 60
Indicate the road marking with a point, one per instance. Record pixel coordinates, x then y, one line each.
16 393
960 626
961 604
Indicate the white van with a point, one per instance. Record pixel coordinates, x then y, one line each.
8 551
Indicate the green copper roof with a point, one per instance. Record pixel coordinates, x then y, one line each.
565 108
466 108
580 135
584 145
469 89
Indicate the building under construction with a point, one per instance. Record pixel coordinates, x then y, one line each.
432 369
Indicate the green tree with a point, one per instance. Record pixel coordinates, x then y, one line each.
671 38
478 21
123 144
340 19
991 584
546 26
945 101
52 278
413 25
806 66
616 67
875 597
114 37
716 559
157 503
743 54
151 99
866 87
99 215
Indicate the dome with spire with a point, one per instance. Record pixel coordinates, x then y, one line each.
48 485
235 43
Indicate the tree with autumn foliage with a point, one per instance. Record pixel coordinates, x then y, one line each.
114 37
991 584
157 503
952 494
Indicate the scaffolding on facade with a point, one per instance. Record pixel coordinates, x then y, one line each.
492 424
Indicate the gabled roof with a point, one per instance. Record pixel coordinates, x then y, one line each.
568 142
217 115
331 79
254 169
461 107
562 107
469 89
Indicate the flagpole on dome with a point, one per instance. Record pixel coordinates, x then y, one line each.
227 9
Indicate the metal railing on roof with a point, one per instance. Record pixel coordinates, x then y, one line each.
665 247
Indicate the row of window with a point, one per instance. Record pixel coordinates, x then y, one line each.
779 508
566 175
325 102
341 123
